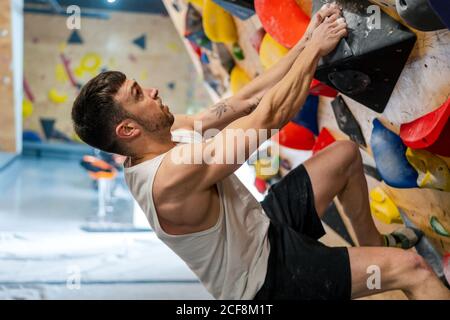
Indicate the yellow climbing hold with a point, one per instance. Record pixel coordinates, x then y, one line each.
56 97
238 79
218 24
27 108
271 51
433 171
60 73
383 208
266 168
91 62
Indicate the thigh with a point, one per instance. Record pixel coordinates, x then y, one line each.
302 268
290 202
329 172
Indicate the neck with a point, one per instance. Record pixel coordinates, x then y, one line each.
149 148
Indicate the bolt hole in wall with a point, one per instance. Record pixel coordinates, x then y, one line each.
69 228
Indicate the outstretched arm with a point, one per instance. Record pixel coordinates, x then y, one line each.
247 99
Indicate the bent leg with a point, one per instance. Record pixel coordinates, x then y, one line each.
338 171
399 269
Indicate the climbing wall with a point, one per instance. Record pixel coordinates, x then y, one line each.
58 61
7 110
423 86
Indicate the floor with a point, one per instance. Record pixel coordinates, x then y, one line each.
45 255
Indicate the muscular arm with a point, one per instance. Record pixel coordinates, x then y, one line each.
247 99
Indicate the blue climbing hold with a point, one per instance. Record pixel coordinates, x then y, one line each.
141 42
389 153
442 9
241 12
75 38
29 135
307 117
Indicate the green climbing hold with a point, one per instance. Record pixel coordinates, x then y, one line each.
237 51
438 227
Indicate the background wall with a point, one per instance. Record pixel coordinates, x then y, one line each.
162 62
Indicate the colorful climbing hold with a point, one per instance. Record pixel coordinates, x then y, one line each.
383 208
419 14
442 9
346 121
27 108
389 153
295 136
30 135
91 62
284 20
238 79
307 116
57 97
430 132
324 139
318 88
235 9
238 52
218 24
141 41
366 65
437 227
433 171
75 38
271 51
267 168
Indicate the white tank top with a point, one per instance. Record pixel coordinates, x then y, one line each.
230 258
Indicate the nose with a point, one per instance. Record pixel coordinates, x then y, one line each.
153 93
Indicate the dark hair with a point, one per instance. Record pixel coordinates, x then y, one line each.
95 112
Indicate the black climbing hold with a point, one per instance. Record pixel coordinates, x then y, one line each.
350 81
419 15
367 63
346 121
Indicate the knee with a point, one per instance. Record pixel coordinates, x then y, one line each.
351 157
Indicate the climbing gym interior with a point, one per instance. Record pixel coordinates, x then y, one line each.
70 228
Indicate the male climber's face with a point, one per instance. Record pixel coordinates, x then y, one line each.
145 105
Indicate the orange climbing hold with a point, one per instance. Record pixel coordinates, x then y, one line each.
284 20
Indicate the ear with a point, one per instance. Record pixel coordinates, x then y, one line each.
127 130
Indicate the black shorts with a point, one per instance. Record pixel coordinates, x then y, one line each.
300 267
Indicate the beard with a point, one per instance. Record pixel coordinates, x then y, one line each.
161 122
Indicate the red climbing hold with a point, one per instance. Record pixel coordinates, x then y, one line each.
317 88
323 140
430 132
295 136
284 20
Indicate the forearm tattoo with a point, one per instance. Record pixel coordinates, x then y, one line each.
219 108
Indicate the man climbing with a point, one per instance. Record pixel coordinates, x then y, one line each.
239 248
